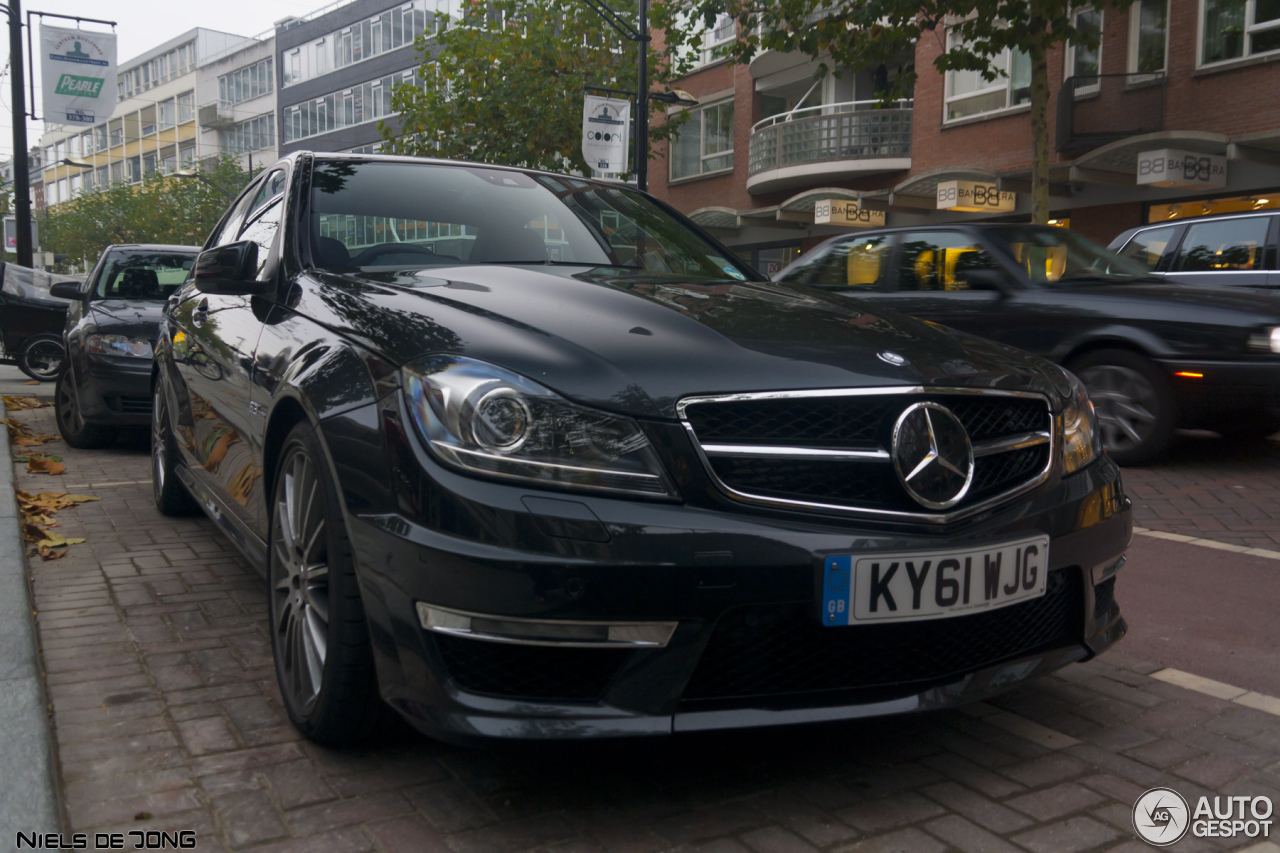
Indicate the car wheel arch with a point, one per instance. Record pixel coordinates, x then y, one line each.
1138 341
287 413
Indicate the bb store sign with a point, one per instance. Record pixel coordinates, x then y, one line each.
1172 167
975 197
834 211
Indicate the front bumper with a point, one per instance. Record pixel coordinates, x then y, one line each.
113 390
744 587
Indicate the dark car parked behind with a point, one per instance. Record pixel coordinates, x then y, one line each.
1155 355
111 329
530 456
1231 250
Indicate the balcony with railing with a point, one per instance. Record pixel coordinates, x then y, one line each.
812 145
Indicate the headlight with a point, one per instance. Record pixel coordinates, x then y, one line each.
118 345
1081 441
486 420
1267 340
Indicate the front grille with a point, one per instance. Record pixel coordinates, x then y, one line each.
862 422
529 672
775 650
125 405
1104 598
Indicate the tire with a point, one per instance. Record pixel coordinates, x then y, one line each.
42 357
320 641
75 432
1134 401
172 498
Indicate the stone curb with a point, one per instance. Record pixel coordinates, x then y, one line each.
29 793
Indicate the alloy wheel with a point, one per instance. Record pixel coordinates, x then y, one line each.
67 408
300 580
1126 405
157 441
45 357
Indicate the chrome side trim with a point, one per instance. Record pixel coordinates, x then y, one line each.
1011 442
930 518
563 633
765 451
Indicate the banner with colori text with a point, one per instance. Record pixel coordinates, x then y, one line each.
78 75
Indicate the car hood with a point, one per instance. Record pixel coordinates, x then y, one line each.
637 343
1251 305
135 318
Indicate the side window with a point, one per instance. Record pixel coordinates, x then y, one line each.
271 187
262 230
1148 247
858 264
938 260
231 228
1229 244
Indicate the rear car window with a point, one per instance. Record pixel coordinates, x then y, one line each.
1229 244
1148 247
142 275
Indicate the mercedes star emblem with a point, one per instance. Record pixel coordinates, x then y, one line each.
891 358
932 455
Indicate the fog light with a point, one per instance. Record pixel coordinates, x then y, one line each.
544 632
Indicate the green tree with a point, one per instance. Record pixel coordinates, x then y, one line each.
506 84
858 34
161 209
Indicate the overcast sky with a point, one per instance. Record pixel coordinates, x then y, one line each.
143 24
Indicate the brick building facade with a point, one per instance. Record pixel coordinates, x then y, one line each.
1168 75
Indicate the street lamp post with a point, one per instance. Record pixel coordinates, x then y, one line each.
643 96
21 178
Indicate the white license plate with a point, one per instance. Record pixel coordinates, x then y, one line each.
899 587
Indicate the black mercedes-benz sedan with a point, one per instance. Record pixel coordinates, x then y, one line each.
530 456
112 323
1155 355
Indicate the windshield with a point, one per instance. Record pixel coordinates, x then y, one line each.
1052 255
142 275
387 215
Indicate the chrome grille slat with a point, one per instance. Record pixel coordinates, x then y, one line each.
826 449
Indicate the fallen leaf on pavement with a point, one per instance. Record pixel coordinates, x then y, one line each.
18 403
32 382
44 465
36 510
51 554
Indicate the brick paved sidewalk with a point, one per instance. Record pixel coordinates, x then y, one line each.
1212 488
167 717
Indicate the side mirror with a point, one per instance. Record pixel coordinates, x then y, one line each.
67 290
994 280
229 270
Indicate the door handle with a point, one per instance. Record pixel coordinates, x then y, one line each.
201 313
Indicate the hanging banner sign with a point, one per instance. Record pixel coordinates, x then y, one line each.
606 124
78 75
975 197
835 211
1170 167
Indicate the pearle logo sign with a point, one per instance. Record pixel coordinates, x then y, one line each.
1162 817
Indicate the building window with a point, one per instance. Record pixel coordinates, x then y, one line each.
157 71
252 134
1148 36
1233 29
357 105
375 35
715 39
243 84
704 143
186 107
1084 64
968 94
